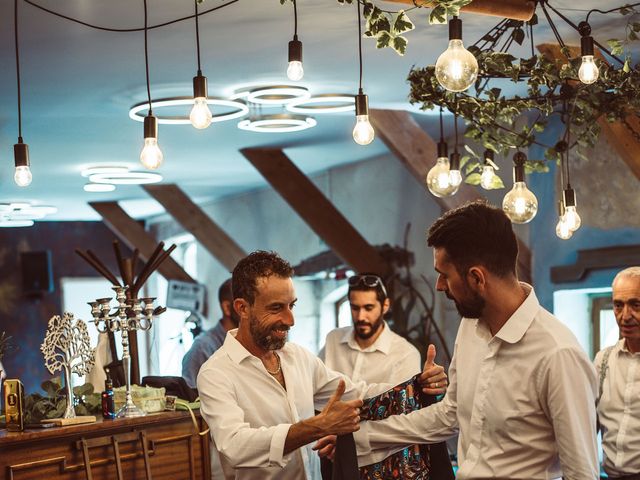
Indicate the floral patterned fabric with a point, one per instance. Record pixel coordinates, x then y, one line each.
412 463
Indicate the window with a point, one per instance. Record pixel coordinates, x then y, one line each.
605 328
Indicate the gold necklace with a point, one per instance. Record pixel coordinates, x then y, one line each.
278 370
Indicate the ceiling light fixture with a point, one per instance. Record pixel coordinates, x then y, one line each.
274 95
588 72
363 132
456 67
279 123
323 103
22 175
16 223
455 176
295 71
200 116
87 172
488 176
239 109
438 181
151 156
520 204
126 178
99 187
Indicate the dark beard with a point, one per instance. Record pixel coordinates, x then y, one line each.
471 308
374 328
262 336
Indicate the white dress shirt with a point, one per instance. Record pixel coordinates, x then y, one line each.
249 412
619 411
522 400
390 359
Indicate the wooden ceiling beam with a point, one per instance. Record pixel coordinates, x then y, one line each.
132 234
514 9
210 235
617 133
417 151
316 210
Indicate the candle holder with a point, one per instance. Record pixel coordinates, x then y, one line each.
130 315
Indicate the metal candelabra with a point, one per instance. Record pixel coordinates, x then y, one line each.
131 315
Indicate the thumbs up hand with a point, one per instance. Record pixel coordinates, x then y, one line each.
339 417
433 378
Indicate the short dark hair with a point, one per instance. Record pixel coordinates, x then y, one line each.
477 233
257 264
361 287
225 291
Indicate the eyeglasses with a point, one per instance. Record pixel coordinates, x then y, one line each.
369 281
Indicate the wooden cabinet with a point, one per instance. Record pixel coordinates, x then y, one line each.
173 447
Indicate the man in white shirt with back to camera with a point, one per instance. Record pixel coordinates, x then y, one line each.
258 392
369 350
618 370
521 390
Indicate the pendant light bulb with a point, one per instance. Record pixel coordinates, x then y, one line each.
437 180
456 67
363 132
200 115
571 216
520 204
487 178
295 71
589 71
151 156
562 229
22 175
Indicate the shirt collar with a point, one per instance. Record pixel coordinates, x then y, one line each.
234 348
518 324
382 343
622 346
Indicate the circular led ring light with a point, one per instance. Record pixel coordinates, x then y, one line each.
240 107
87 172
273 94
99 187
277 123
15 223
324 103
127 178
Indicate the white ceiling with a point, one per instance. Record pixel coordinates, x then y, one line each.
78 84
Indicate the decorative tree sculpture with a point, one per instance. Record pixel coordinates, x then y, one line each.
67 346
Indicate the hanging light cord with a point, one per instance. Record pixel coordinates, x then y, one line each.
604 12
455 129
441 127
295 18
15 29
107 29
197 37
359 44
146 57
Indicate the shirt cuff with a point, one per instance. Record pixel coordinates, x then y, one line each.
361 438
276 450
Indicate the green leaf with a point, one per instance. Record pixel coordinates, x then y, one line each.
438 15
383 40
399 44
496 183
473 179
518 36
627 67
401 23
470 150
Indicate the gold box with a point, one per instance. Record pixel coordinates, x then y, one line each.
13 403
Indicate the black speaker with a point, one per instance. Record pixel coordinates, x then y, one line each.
37 276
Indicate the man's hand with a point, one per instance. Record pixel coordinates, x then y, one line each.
340 417
433 379
326 446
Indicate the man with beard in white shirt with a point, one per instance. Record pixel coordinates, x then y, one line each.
369 350
521 390
618 370
258 392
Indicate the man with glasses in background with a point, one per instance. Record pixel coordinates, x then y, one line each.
369 350
618 370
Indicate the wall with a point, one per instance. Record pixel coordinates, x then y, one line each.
25 319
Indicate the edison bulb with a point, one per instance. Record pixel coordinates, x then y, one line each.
589 71
456 68
455 178
151 155
562 229
520 204
487 177
23 176
363 131
295 71
438 179
200 116
572 218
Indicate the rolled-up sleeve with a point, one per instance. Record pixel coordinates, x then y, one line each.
241 444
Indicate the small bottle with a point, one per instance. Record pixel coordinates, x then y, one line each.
108 406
